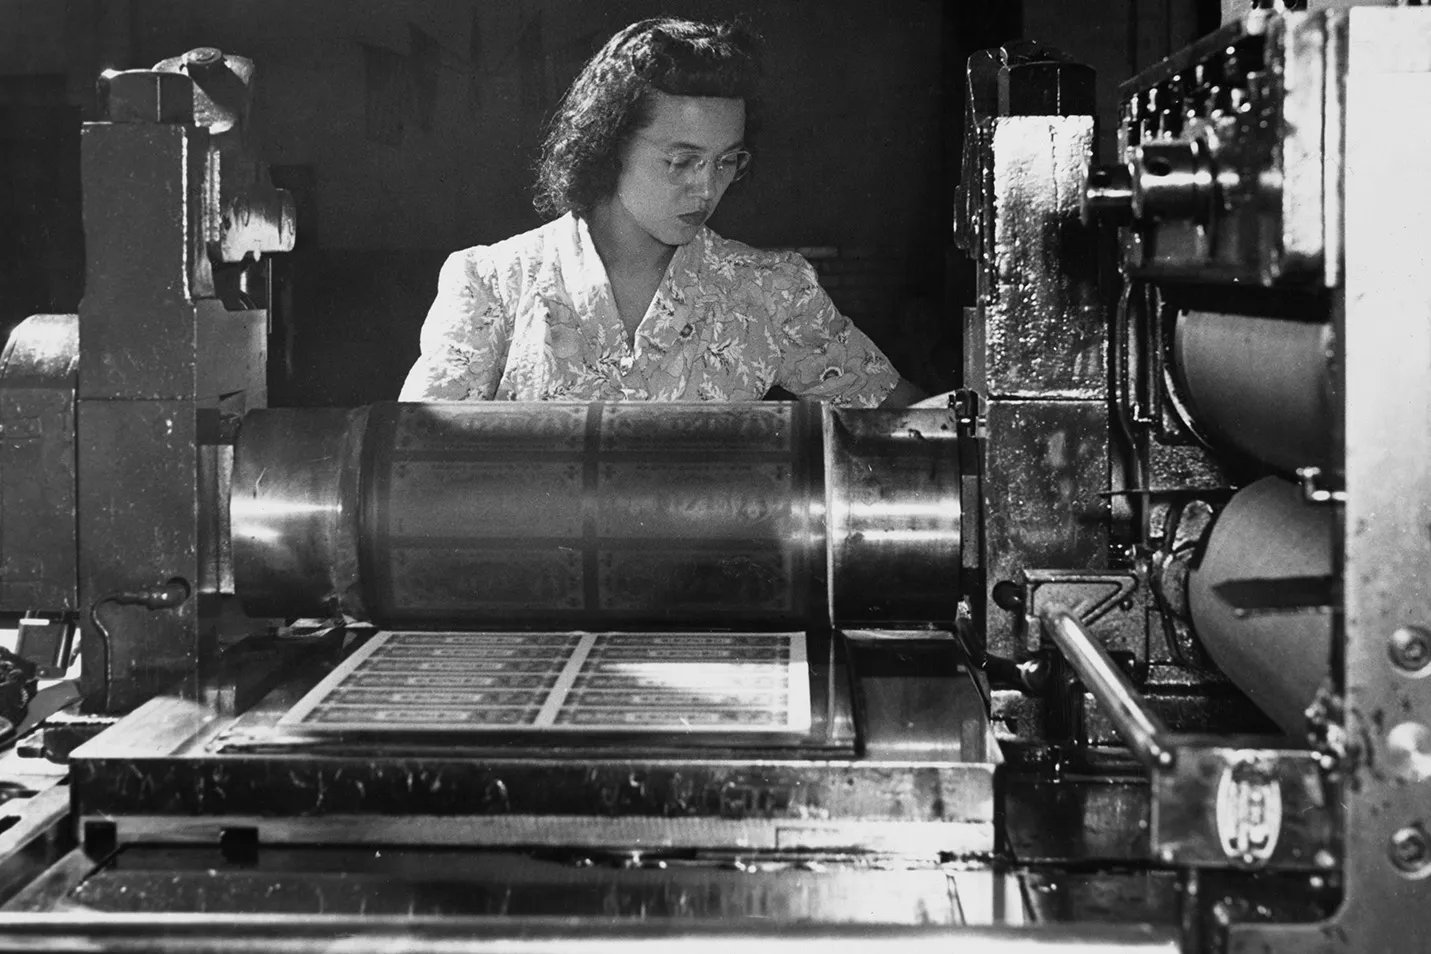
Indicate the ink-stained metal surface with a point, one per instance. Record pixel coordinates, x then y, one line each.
728 683
495 884
38 551
1044 332
168 773
1036 346
1045 467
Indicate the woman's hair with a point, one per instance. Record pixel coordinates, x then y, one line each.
610 101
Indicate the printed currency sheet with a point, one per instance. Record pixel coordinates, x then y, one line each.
565 682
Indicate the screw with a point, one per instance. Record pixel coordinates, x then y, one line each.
1409 849
1410 647
202 56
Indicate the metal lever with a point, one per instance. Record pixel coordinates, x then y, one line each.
1143 731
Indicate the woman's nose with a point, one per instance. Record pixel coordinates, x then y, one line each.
703 184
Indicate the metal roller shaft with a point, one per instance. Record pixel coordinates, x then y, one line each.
597 515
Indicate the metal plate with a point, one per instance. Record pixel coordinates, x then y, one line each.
566 683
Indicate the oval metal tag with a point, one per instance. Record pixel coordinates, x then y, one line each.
1249 812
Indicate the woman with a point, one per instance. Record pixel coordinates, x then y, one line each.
627 294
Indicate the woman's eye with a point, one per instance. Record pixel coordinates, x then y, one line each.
681 164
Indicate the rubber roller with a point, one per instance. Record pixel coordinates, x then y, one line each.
1267 535
1260 385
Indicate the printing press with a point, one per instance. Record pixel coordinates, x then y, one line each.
1123 645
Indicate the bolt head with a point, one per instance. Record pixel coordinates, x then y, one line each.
1409 848
1411 647
203 56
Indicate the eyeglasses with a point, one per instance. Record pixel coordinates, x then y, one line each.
685 167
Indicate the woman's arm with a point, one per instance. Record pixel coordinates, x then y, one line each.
465 336
905 393
822 354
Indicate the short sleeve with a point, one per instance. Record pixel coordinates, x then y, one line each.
465 335
822 354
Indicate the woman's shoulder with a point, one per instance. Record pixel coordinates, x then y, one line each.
539 242
511 258
735 257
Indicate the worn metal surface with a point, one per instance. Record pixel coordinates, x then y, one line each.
147 96
1076 820
138 509
1112 601
307 934
597 801
1386 330
136 430
143 205
644 886
1045 468
916 699
37 465
162 366
174 770
1036 344
1043 318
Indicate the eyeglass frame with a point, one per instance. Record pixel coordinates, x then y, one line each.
699 163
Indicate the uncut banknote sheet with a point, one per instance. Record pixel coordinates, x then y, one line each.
565 682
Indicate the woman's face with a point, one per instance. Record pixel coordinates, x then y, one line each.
677 167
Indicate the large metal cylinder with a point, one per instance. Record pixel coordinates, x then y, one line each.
598 515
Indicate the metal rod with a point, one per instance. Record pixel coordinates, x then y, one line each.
1143 731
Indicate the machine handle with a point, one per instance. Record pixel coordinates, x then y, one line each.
1140 728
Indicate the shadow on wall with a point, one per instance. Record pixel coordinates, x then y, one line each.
346 325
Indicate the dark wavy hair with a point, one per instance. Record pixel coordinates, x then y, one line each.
610 101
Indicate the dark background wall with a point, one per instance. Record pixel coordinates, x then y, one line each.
408 128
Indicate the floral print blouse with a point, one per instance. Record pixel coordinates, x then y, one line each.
533 319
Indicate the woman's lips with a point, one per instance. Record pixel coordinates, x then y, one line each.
693 218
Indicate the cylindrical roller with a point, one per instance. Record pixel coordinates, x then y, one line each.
1267 533
293 511
552 515
1261 385
892 495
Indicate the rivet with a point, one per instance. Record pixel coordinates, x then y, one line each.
1409 849
1410 648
